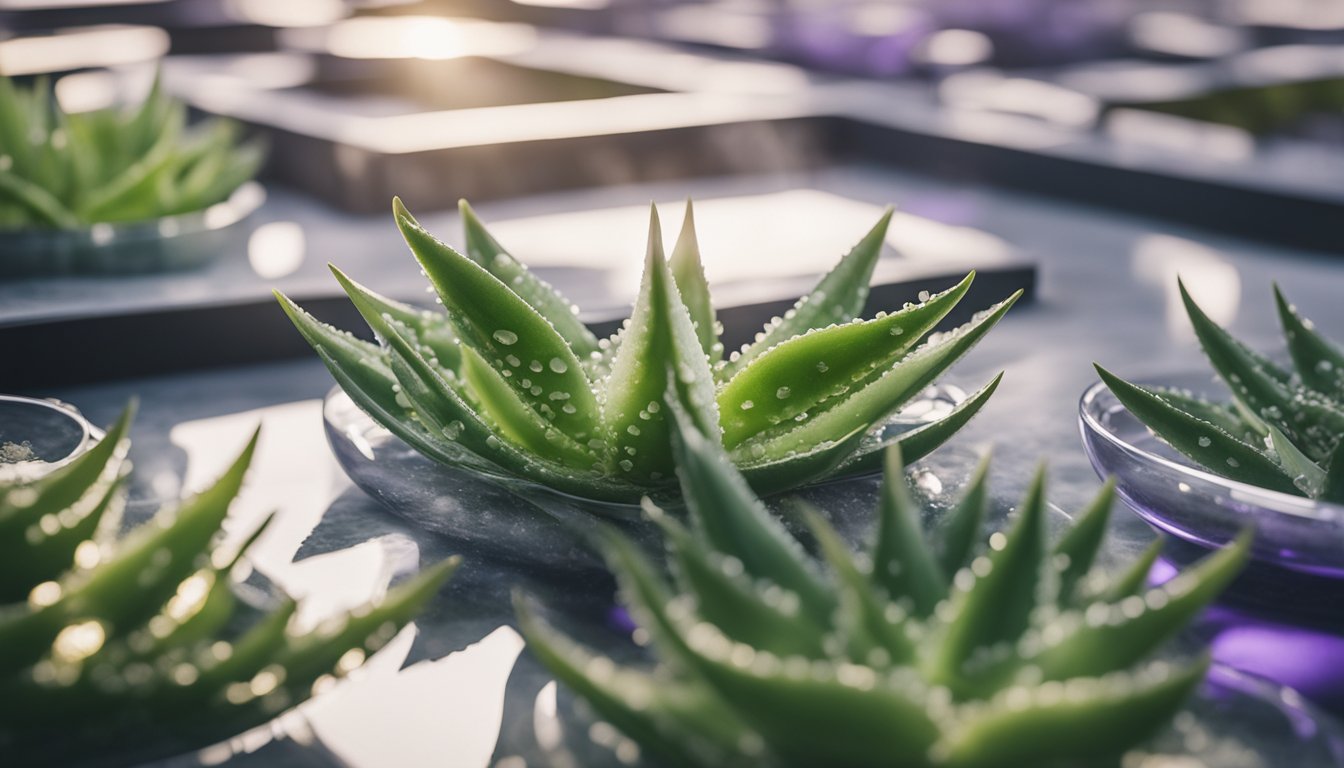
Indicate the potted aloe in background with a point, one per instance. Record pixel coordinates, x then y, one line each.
508 384
117 190
121 650
926 650
1266 448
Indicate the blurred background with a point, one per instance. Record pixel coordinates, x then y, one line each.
792 121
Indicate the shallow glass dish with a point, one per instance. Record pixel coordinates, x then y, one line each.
124 248
1177 496
505 517
38 436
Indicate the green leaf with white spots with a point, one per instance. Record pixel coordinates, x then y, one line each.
659 356
516 340
486 251
1202 441
824 365
1318 361
146 628
837 298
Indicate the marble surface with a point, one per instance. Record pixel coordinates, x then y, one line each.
1106 293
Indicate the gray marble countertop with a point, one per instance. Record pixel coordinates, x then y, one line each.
1106 292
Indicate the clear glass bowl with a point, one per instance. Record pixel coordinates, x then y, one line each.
39 436
1175 495
159 245
519 521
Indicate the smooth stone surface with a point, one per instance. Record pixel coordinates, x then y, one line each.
1107 293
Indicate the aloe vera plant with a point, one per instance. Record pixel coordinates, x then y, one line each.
922 651
68 171
118 651
509 382
1283 429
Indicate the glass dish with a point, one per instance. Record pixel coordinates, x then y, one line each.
124 248
1175 495
38 436
509 518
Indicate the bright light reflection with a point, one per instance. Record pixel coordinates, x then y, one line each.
1192 139
1211 279
1181 34
292 472
420 37
276 249
803 231
957 48
290 13
990 91
451 707
102 46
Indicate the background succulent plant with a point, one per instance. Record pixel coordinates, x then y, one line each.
67 171
921 651
509 382
141 641
1283 429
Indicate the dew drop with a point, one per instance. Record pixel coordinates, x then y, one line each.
783 392
558 365
747 405
507 338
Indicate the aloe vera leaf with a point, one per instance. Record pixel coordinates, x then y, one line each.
486 251
1306 475
1135 577
1080 543
917 443
127 588
196 620
961 527
1077 721
437 402
1206 443
1263 388
1319 362
800 373
865 407
659 359
64 487
131 193
876 636
735 522
1229 419
997 597
515 419
903 564
432 329
689 273
727 598
14 131
508 332
832 714
360 370
1135 626
837 298
43 205
40 556
774 475
1332 485
635 703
